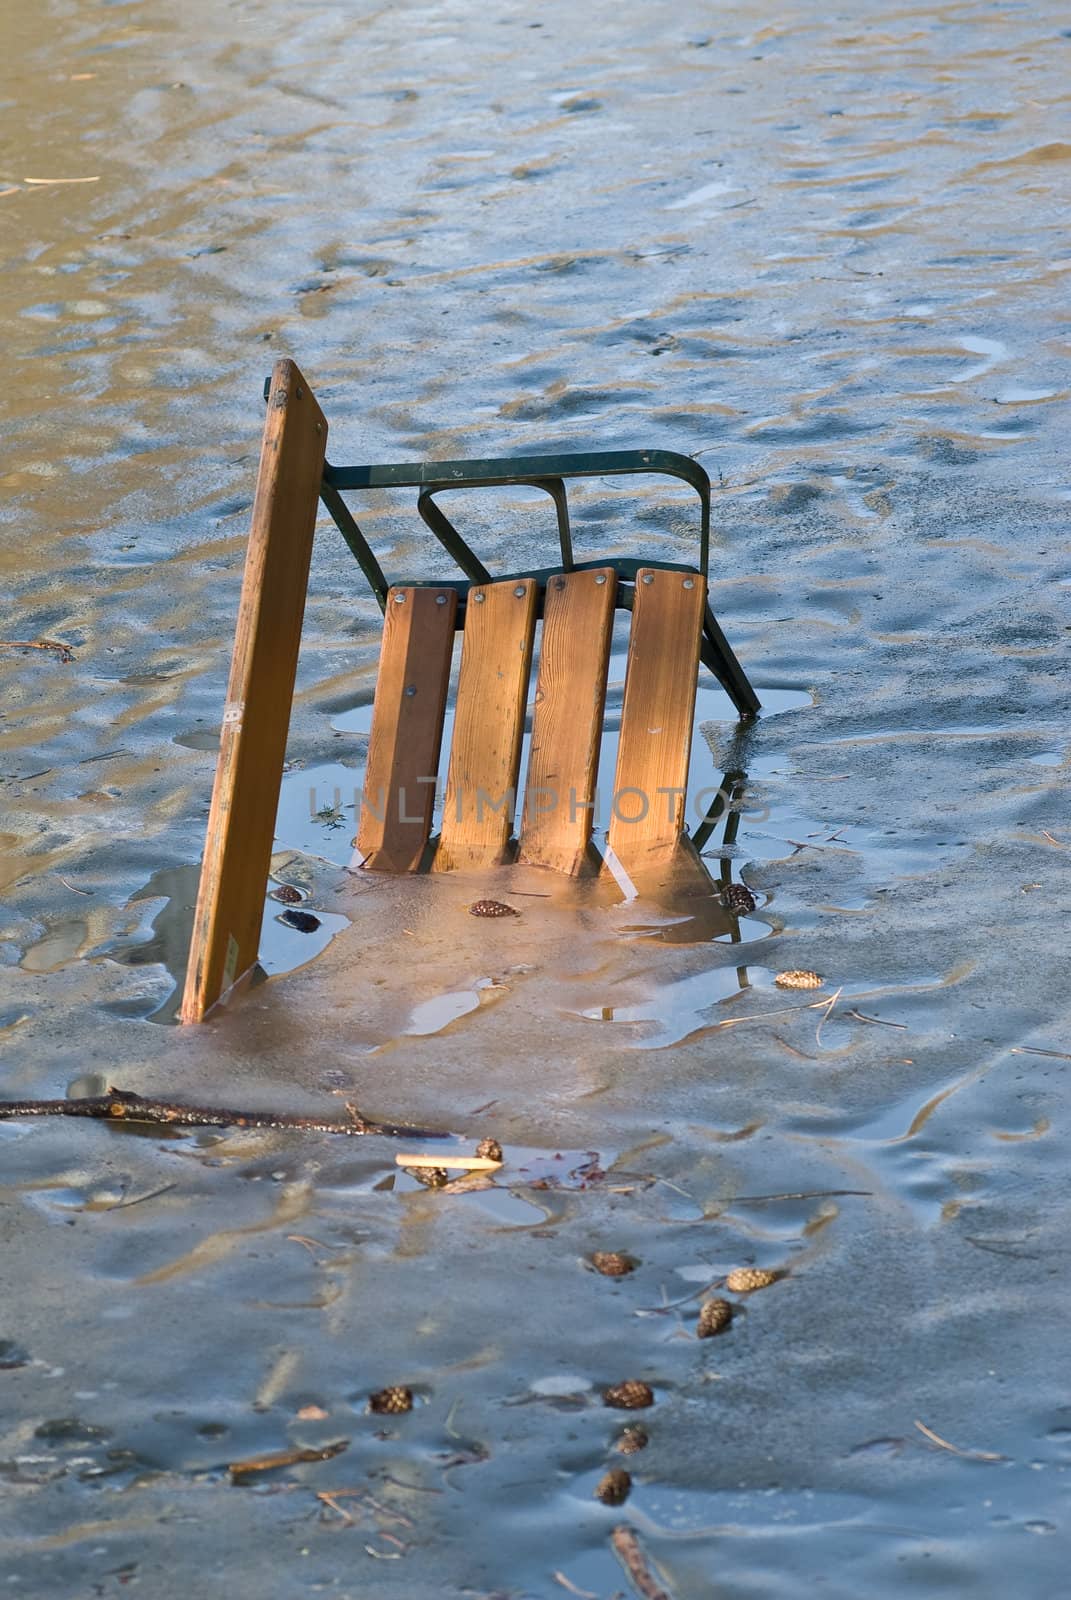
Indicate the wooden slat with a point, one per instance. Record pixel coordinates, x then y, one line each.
574 655
656 717
485 757
407 728
241 823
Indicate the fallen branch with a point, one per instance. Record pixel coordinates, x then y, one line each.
38 644
121 1105
629 1552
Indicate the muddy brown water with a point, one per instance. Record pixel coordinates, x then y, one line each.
827 256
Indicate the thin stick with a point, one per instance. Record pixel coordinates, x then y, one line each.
330 1498
311 1245
468 1163
824 1018
1032 1050
62 180
124 1205
629 1552
73 887
672 1305
761 1016
793 1194
284 1458
1059 843
879 1022
120 1105
585 1594
968 1455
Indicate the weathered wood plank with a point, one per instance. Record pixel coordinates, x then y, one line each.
574 655
241 823
485 757
655 744
407 728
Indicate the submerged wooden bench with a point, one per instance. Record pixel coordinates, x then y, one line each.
572 606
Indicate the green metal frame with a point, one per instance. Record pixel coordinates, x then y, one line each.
434 478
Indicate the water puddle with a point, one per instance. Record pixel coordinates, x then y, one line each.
432 1016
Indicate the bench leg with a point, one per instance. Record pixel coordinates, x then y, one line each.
256 718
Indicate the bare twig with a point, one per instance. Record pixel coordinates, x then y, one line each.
121 1105
311 1245
629 1552
968 1455
793 1194
824 1018
762 1016
584 1594
1032 1050
1060 844
878 1022
73 887
124 1205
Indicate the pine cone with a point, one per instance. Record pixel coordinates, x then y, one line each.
303 921
613 1487
739 899
490 1149
391 1401
430 1177
491 908
612 1263
798 979
287 894
714 1317
631 1395
632 1438
744 1280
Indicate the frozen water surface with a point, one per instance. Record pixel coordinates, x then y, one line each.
824 254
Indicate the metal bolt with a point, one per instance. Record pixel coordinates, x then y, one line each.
600 577
440 599
520 591
648 577
688 584
410 689
479 598
399 599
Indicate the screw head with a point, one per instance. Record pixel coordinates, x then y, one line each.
399 599
520 591
648 577
410 690
689 583
479 599
600 577
440 599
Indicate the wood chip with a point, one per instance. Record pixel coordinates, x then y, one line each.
284 1458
